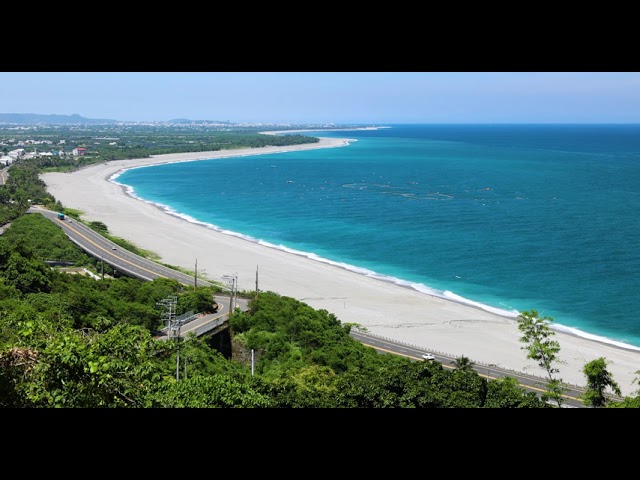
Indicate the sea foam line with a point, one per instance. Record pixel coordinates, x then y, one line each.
419 287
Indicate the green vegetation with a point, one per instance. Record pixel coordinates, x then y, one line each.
23 188
76 342
598 380
72 341
117 142
537 334
463 363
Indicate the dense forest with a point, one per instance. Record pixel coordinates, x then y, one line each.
78 342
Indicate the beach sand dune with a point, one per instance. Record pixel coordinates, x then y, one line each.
393 311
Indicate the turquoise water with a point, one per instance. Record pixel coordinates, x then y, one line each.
507 217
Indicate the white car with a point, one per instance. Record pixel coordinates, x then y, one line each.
428 356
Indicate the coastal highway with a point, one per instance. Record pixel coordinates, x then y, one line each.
99 247
530 383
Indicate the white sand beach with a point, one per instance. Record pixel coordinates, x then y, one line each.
392 311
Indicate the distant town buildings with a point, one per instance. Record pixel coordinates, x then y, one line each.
12 149
7 157
12 156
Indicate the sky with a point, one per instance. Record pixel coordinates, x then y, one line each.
374 98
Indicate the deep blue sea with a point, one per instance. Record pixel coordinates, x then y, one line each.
507 217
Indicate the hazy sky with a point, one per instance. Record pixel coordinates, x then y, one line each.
329 97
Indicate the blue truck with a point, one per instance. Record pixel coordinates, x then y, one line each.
61 216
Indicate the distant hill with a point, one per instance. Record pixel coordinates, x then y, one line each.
31 118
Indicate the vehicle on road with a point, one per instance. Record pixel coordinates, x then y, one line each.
428 356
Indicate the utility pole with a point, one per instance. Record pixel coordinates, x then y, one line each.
102 263
172 325
169 314
178 356
195 276
257 282
233 295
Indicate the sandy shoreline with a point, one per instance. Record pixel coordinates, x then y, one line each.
393 311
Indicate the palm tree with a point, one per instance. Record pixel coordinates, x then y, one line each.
463 363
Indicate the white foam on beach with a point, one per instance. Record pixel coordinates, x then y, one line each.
419 287
498 311
554 326
590 336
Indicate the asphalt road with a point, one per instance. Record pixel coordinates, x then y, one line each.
4 175
528 382
98 246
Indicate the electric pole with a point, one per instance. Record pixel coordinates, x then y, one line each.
257 282
195 276
233 295
169 314
172 325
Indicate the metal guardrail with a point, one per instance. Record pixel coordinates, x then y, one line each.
488 366
201 330
180 321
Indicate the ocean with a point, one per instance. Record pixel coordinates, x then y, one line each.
504 217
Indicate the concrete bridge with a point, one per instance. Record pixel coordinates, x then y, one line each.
204 324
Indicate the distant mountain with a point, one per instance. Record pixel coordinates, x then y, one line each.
31 118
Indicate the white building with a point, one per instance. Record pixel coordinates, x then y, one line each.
17 153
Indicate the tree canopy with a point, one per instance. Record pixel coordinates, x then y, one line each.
76 342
